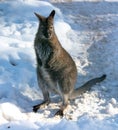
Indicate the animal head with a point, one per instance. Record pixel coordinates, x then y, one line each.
46 28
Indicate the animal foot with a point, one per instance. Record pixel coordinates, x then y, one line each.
41 105
35 108
59 113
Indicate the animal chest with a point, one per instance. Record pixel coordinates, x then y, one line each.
43 52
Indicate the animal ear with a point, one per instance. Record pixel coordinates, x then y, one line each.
52 14
39 16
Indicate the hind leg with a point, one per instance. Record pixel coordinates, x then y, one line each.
45 92
44 103
66 87
60 112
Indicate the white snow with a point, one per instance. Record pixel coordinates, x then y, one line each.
88 30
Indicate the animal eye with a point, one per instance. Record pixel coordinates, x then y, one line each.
51 27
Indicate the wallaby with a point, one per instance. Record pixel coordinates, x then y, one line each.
56 70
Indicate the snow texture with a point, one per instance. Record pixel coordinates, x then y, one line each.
88 30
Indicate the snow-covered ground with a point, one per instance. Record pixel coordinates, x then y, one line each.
89 32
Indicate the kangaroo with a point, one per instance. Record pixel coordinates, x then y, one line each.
56 70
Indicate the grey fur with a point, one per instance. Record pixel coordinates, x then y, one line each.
56 70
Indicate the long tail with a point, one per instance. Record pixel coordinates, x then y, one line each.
86 86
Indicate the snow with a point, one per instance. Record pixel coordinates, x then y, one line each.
88 31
